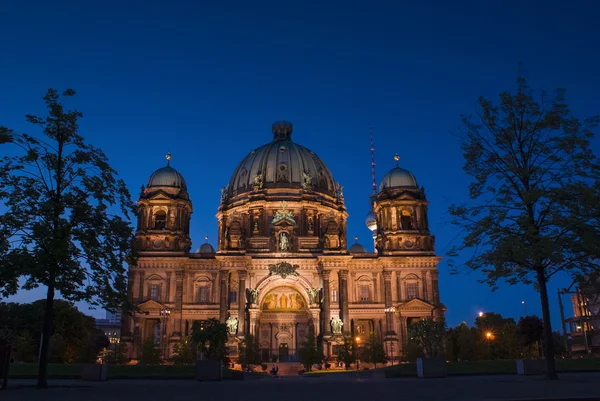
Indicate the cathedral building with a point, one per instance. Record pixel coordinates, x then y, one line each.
283 267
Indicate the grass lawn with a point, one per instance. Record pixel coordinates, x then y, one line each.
495 367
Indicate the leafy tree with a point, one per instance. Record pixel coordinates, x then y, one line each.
25 348
466 343
117 354
58 349
210 336
534 177
62 222
183 351
429 336
150 353
530 331
310 352
374 350
249 352
348 352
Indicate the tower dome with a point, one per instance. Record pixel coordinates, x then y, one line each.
167 177
371 221
356 247
281 164
398 178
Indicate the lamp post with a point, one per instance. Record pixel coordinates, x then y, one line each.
357 360
164 314
488 336
480 314
389 311
524 308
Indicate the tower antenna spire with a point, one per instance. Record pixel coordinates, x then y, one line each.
373 161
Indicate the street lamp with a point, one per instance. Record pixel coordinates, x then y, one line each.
480 314
164 314
488 335
389 311
524 308
357 360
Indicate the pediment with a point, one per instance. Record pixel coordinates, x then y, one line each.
150 305
160 195
407 196
285 221
416 304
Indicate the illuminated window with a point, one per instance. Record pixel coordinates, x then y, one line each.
155 292
160 219
232 296
360 329
203 295
412 290
364 293
406 220
334 295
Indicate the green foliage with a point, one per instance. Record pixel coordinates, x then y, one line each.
429 335
77 332
348 352
310 352
184 351
150 353
412 351
249 352
530 331
117 354
58 349
25 348
66 224
374 350
211 337
466 343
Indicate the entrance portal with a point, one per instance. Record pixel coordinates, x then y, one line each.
283 352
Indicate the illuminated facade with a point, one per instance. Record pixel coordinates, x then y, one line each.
282 267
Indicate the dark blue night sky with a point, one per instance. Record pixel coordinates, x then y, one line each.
205 80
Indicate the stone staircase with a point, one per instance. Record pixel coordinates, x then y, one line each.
287 368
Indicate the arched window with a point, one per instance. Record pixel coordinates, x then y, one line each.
411 285
364 289
160 220
406 220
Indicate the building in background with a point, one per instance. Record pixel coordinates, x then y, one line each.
283 267
111 326
584 326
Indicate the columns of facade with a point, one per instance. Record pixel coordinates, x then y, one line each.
223 296
326 303
242 303
343 297
424 295
178 300
387 296
141 287
168 289
430 294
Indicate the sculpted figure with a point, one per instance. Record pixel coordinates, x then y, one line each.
232 325
283 242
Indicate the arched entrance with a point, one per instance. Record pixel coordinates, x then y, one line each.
283 322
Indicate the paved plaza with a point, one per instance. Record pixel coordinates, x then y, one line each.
504 387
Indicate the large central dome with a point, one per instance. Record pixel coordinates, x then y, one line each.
281 164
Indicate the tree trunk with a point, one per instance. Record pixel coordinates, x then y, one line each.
548 343
46 329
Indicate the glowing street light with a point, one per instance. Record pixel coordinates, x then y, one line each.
488 335
524 308
480 314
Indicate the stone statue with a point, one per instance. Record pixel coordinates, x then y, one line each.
223 194
307 181
252 295
284 242
336 325
313 295
255 231
258 181
310 223
232 325
339 192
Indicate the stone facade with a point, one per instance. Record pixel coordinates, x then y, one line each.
282 268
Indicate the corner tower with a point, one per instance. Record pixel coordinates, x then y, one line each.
164 213
401 211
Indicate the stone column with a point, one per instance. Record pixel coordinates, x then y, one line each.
326 303
425 294
223 296
387 296
141 287
343 296
430 294
168 289
242 303
179 300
